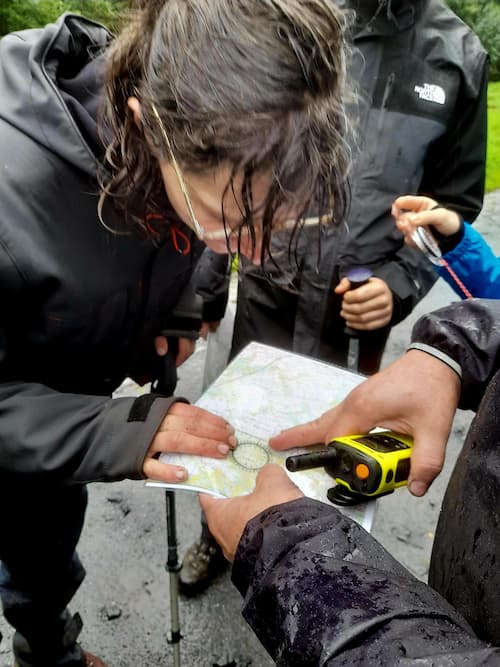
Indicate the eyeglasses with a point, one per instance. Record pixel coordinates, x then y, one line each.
222 234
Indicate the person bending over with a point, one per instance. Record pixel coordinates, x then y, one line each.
203 123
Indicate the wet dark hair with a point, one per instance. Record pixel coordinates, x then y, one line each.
258 84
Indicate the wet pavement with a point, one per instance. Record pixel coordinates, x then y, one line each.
124 600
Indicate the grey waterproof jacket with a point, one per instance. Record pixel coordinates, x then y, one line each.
420 126
319 590
80 305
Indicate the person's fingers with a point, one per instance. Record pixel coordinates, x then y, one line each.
412 203
311 433
447 222
427 218
368 307
163 472
161 346
407 229
197 415
377 304
374 318
427 461
180 442
191 430
343 286
369 321
442 219
335 422
272 479
374 288
331 424
186 349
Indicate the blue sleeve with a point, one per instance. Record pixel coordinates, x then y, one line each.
475 265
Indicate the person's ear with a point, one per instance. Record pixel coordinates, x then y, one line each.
135 107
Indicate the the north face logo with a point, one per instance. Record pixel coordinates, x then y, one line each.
431 93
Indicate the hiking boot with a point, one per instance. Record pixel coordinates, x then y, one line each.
66 653
203 562
93 661
90 661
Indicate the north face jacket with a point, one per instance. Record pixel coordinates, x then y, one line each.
420 127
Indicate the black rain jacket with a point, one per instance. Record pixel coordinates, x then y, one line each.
319 590
80 305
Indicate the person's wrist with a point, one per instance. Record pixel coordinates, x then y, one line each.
449 242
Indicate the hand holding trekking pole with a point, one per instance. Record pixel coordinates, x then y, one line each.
367 307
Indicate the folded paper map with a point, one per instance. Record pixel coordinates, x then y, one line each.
263 391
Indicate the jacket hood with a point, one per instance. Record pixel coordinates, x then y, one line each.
31 64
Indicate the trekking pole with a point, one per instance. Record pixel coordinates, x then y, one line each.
166 385
172 566
185 323
357 277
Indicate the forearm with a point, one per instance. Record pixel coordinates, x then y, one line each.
318 588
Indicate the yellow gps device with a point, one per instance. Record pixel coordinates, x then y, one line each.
364 466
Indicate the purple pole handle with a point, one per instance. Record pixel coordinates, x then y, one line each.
357 276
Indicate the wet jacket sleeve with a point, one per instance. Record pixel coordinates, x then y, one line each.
475 264
469 333
319 590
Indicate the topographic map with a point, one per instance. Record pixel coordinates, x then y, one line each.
263 391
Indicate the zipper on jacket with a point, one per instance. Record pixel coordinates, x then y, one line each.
391 79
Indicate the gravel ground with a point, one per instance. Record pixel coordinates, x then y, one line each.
124 600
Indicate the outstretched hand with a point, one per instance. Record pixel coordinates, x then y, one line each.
187 429
227 518
416 395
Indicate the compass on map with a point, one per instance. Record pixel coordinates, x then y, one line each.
250 455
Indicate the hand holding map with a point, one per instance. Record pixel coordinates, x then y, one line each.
263 391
